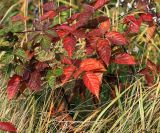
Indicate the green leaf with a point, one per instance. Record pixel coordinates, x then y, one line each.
58 72
50 73
21 53
45 43
51 81
43 56
7 70
19 70
51 33
7 58
50 78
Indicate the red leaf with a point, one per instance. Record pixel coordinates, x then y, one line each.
133 23
125 59
116 38
39 66
26 75
158 68
13 86
86 9
65 27
18 17
91 64
77 73
91 44
76 62
94 33
34 82
142 5
104 50
73 17
147 17
134 26
150 32
100 76
92 38
37 25
151 66
67 73
89 49
91 24
22 87
49 6
80 33
62 8
129 18
66 60
148 77
105 26
69 43
83 17
29 54
92 82
100 3
55 39
7 126
62 33
49 14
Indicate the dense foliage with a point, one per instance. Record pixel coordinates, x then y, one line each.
69 51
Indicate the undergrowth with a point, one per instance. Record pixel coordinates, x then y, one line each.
80 66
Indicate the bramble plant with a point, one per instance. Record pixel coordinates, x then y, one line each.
83 50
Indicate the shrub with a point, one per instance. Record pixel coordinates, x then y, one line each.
86 50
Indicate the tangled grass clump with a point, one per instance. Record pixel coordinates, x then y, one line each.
90 69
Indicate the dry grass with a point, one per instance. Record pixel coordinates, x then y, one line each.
136 109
